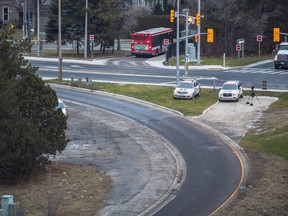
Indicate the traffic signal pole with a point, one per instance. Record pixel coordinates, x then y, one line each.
198 31
186 11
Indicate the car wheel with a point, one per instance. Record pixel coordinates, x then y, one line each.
198 94
277 66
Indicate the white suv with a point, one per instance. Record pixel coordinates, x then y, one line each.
231 91
187 89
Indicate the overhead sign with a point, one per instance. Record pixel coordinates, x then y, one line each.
91 37
259 38
241 41
238 47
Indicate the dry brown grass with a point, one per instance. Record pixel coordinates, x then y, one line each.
63 188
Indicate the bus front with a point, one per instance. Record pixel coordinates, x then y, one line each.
141 44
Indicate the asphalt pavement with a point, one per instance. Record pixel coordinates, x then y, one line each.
126 149
145 167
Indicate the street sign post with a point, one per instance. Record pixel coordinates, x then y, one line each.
166 41
238 48
241 42
259 39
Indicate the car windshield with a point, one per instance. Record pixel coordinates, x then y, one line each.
283 47
229 87
60 105
185 85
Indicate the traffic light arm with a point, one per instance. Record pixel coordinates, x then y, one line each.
191 36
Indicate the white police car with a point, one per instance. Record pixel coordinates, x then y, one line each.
187 89
231 91
61 106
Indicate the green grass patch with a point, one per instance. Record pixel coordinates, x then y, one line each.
272 142
273 136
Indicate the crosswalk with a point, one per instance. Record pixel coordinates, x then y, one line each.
247 70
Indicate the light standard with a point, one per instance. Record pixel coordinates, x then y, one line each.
177 44
86 30
60 41
38 29
186 12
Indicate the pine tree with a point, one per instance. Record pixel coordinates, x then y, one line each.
30 128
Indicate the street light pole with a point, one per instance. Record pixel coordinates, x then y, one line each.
198 32
38 29
60 41
186 11
177 44
86 30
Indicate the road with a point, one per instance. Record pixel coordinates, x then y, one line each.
149 71
213 170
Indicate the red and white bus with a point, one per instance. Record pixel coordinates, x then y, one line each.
151 41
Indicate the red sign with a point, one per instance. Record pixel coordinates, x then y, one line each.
238 47
91 37
166 41
259 37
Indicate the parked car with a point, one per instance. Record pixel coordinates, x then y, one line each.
231 91
187 89
61 106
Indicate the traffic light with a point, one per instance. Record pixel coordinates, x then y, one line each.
210 35
11 29
276 34
196 38
198 19
11 26
172 15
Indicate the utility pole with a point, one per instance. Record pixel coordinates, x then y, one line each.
60 41
198 32
38 29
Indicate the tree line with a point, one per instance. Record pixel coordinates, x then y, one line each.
230 19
